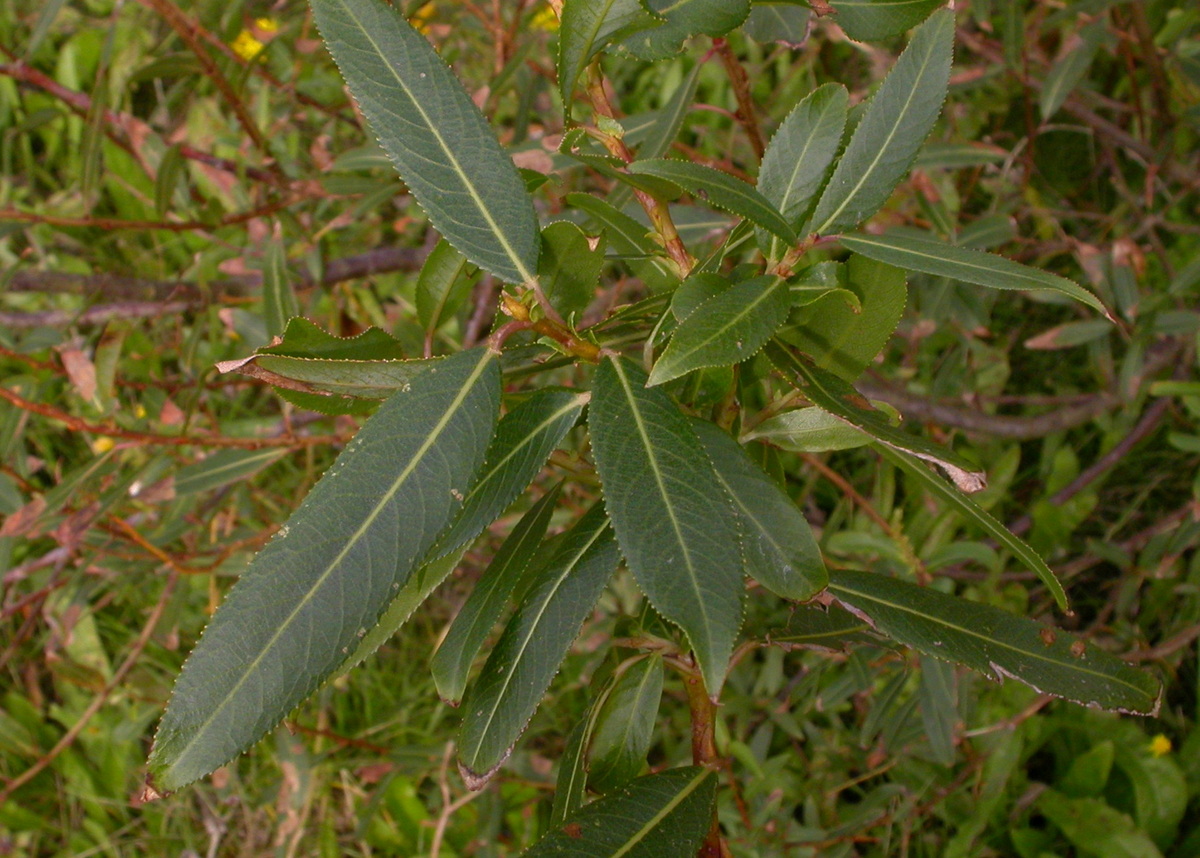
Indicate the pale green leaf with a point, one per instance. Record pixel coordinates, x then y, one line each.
317 588
570 787
682 20
588 27
897 120
630 240
466 635
839 336
625 725
498 706
442 286
441 144
839 398
784 23
673 519
569 269
931 256
222 468
777 544
726 329
664 815
798 157
721 190
995 643
1095 827
807 430
279 298
867 20
977 515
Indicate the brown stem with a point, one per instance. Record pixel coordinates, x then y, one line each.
741 91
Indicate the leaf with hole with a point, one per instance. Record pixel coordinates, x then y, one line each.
441 144
330 572
673 519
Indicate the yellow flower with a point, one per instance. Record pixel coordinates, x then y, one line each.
422 17
248 43
544 19
103 444
1160 746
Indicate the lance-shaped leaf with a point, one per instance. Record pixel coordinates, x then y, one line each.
839 398
629 239
777 543
673 519
442 286
570 787
726 329
824 628
570 267
995 642
683 19
452 661
524 440
326 577
897 121
499 705
279 298
222 468
807 430
721 190
798 157
979 516
778 22
930 255
867 20
625 725
666 815
588 27
440 143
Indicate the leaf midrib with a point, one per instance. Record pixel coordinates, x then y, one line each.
746 310
639 835
329 569
500 235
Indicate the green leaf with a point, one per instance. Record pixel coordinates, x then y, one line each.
784 23
938 698
1096 828
696 291
588 27
930 256
976 514
222 468
868 20
797 159
631 240
525 438
569 269
995 643
498 706
570 787
807 430
665 815
625 725
442 286
842 338
672 517
720 189
726 329
897 120
452 662
823 628
828 391
1072 66
682 20
279 298
441 144
777 544
327 576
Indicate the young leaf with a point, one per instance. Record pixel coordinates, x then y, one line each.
720 189
452 661
499 705
525 438
808 430
442 286
279 299
631 240
672 517
798 157
929 255
897 121
570 787
842 338
625 725
665 815
684 19
868 20
976 514
222 468
777 544
587 28
696 291
828 391
995 642
440 143
329 573
726 329
570 267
